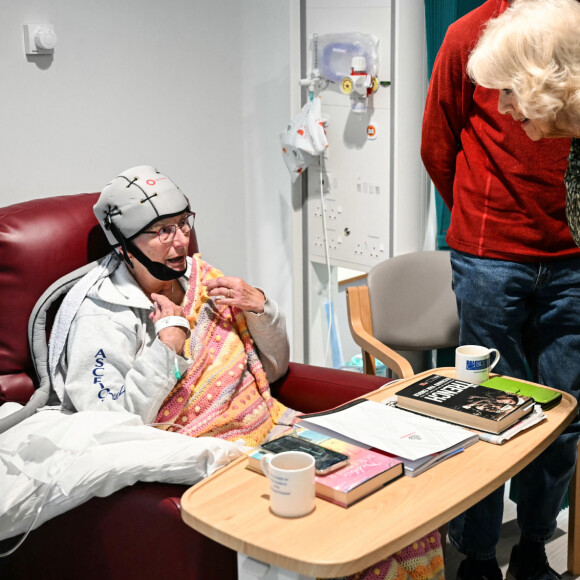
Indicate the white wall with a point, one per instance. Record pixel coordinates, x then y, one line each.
266 110
199 89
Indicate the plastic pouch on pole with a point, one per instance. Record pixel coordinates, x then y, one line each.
334 54
304 139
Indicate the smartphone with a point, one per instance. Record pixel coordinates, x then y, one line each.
325 460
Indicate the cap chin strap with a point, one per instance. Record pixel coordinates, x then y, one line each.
156 269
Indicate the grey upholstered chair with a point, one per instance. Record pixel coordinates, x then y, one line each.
406 310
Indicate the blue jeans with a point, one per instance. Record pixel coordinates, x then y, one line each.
530 312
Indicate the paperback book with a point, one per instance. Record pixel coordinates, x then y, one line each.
475 406
533 418
366 472
417 466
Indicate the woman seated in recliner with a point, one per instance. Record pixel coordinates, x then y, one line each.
125 347
156 333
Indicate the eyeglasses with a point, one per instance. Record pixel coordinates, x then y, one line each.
167 233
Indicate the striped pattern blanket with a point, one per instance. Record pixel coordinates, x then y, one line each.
225 392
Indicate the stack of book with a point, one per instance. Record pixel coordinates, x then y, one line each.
434 418
476 406
419 442
367 470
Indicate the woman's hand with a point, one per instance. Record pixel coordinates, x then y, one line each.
172 336
235 292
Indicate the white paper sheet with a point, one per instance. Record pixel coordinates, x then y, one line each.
394 430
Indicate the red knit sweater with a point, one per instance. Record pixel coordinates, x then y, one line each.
505 192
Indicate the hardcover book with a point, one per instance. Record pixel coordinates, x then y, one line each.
463 403
366 472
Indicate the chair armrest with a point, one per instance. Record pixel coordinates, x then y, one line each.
359 320
390 358
310 389
16 387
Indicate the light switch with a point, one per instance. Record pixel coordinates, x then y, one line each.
39 38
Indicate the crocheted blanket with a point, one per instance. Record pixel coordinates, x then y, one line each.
421 560
225 392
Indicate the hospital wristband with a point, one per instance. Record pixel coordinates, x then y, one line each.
172 321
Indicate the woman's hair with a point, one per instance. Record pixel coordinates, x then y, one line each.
533 49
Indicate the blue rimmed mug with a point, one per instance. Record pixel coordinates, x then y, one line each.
473 362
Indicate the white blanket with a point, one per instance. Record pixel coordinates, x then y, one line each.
71 458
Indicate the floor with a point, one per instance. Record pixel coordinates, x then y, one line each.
557 548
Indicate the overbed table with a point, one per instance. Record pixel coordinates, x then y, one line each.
232 506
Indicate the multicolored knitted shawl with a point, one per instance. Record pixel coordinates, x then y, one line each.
225 392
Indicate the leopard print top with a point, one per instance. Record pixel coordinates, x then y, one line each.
572 181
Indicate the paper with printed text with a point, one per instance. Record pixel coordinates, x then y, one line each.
394 430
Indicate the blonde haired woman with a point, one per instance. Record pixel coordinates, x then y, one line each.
531 54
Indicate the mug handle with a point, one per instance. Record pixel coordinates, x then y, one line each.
497 357
265 463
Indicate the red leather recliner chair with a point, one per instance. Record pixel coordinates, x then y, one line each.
136 532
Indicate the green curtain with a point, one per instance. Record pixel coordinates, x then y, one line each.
439 14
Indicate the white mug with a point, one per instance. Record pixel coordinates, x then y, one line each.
291 476
472 363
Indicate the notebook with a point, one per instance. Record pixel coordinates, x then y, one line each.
545 397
